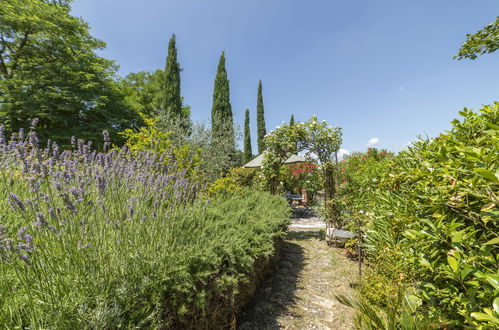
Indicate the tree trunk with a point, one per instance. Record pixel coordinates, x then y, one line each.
329 193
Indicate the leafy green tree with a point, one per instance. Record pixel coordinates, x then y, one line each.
248 154
260 120
143 91
222 124
49 69
483 42
292 120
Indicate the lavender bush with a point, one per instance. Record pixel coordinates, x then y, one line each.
104 240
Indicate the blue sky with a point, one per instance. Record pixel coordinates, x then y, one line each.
379 69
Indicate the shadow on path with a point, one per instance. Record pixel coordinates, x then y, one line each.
300 235
303 213
276 293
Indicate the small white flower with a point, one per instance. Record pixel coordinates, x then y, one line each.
375 180
361 211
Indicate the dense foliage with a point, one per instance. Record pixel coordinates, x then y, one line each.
143 91
222 123
317 139
434 219
248 153
120 239
172 106
483 42
298 176
49 70
358 179
260 120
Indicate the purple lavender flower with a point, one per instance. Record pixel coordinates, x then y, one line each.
34 123
74 191
24 257
25 247
55 150
21 134
73 142
67 202
101 183
53 213
33 139
81 147
40 220
131 207
21 231
107 139
25 241
2 134
16 202
34 185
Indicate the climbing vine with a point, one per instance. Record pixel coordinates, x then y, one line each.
320 142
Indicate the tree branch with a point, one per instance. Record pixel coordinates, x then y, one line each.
22 44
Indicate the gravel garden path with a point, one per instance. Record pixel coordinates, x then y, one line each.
299 294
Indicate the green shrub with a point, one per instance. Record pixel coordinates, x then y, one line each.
109 240
437 204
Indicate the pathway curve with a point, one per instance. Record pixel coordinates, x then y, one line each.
299 294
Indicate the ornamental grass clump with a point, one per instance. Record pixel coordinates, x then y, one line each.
105 240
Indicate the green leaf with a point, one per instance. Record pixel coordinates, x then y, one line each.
495 304
488 206
484 317
425 262
453 262
492 241
458 236
486 174
490 125
465 273
493 281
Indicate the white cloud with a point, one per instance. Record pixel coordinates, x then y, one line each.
372 142
342 153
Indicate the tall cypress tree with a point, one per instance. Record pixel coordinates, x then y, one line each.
221 112
260 119
248 154
292 120
172 102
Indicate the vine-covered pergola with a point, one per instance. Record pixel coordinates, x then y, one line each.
319 140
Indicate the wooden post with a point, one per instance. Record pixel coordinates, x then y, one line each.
359 250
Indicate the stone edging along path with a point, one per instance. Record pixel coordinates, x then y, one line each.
299 294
